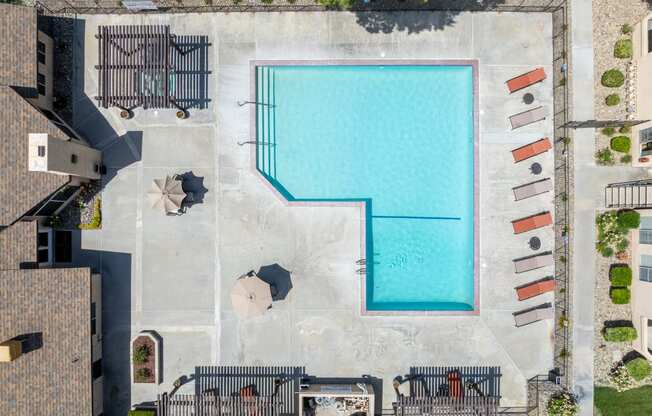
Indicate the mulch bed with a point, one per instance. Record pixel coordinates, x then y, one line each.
150 364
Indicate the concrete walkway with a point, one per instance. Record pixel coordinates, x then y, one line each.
590 181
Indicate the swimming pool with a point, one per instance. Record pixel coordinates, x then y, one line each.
401 139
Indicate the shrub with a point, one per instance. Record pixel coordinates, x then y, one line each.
621 144
620 276
628 219
620 334
621 379
625 130
620 295
612 99
626 158
141 354
337 4
638 368
622 245
613 78
562 404
626 29
608 131
606 251
141 413
142 374
96 222
604 157
623 49
610 233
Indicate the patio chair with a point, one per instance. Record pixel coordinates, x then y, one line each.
538 313
532 222
455 387
528 117
533 289
525 80
531 149
531 189
525 264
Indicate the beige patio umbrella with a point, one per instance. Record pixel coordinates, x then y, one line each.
250 297
166 194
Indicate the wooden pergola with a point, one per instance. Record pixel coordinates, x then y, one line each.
137 66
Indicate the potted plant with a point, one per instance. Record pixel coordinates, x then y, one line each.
182 114
126 114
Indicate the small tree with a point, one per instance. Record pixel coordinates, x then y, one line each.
141 354
613 78
638 368
620 275
629 219
620 295
143 374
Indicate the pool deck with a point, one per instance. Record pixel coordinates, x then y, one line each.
173 275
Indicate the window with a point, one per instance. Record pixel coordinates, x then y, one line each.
645 270
93 318
52 204
73 158
62 246
40 83
649 36
96 369
41 151
40 52
43 249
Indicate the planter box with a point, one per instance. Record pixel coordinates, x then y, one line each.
153 363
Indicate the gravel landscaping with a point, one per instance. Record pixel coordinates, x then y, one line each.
608 19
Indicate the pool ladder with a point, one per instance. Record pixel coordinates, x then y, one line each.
361 270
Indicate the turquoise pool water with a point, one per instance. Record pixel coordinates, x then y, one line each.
399 138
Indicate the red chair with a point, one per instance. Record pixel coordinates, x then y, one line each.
535 289
532 222
531 150
525 80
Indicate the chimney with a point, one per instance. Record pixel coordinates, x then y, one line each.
63 157
10 350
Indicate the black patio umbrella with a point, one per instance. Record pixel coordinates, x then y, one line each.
278 278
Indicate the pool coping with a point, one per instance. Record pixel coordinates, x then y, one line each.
473 63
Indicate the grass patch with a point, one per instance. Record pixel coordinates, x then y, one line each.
613 78
621 144
634 402
623 49
141 413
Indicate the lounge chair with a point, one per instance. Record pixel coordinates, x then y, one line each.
531 189
525 80
531 150
533 289
528 316
455 387
532 222
525 264
528 117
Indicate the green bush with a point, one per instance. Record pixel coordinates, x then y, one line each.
625 130
639 368
620 334
626 29
621 144
608 131
620 295
620 276
613 78
562 404
626 158
604 157
142 374
141 413
141 354
337 4
623 49
628 219
612 99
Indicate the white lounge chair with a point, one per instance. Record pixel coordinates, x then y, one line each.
533 188
528 316
528 117
532 262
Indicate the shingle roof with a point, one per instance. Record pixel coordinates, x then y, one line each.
18 245
21 189
56 378
18 27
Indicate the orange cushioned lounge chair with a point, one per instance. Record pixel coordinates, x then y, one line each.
525 80
532 222
531 150
535 289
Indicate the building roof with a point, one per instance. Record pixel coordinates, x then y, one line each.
18 245
54 379
20 189
18 27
